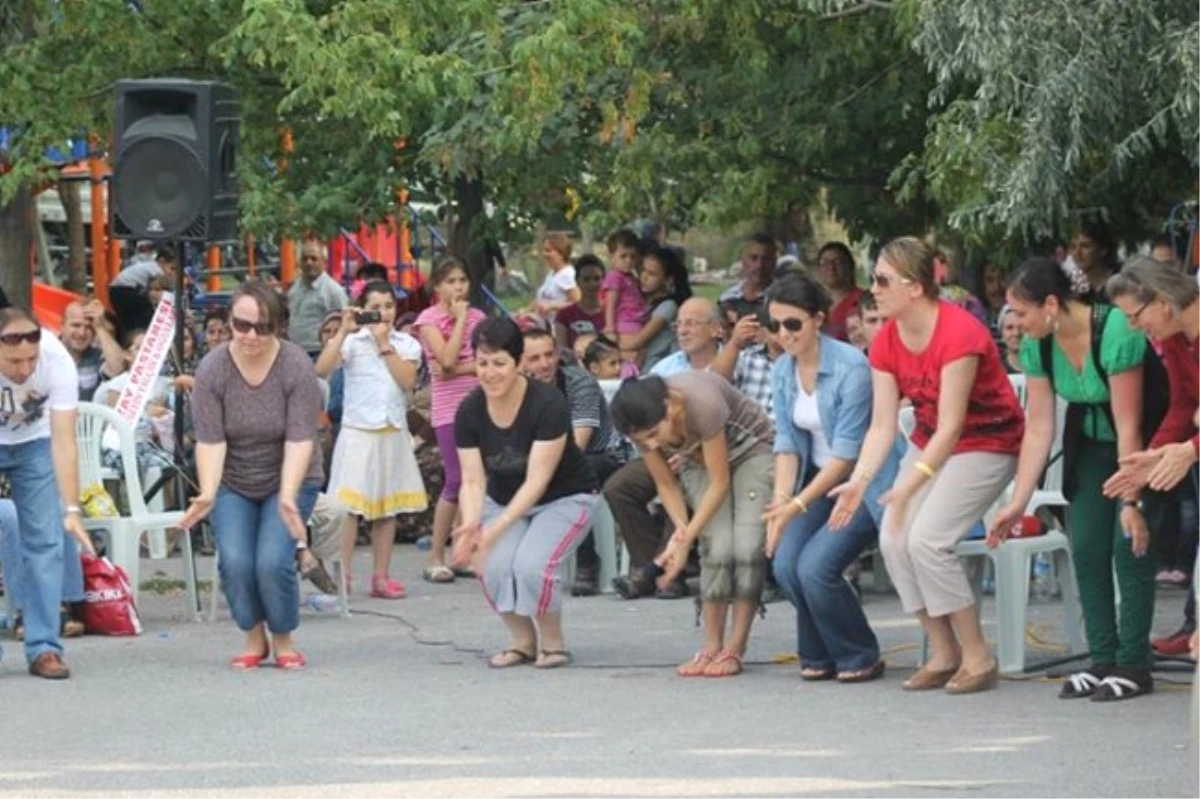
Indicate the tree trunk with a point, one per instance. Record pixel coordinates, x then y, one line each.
70 196
467 236
16 239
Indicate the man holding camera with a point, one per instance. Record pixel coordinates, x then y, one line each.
311 298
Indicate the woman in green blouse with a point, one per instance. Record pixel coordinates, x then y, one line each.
1063 332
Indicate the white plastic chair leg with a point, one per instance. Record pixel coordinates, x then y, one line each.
216 589
189 576
1012 606
123 551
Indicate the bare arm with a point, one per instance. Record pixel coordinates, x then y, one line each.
544 458
114 356
881 436
331 357
474 486
210 464
831 474
296 457
64 450
610 312
668 487
445 351
1125 389
560 334
787 472
652 328
582 436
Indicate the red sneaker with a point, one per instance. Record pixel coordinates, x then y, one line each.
387 588
1174 645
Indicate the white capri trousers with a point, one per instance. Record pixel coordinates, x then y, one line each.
920 556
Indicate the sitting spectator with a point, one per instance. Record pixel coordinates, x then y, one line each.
869 322
216 328
747 360
156 416
527 495
665 286
1094 250
758 270
591 430
559 288
624 306
89 338
602 359
835 271
375 471
1010 340
586 316
724 441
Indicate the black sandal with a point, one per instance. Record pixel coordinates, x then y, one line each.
523 659
1123 684
1083 683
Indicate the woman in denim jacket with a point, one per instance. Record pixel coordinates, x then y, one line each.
822 404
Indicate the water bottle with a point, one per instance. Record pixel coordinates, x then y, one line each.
1043 577
322 603
424 543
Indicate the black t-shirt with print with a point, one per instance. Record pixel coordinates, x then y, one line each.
505 451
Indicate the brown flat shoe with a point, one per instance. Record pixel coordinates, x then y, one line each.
928 679
49 666
966 683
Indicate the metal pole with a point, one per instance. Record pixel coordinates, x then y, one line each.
181 319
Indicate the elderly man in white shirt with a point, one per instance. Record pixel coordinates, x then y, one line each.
311 298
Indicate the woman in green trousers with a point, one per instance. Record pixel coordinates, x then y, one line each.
1088 355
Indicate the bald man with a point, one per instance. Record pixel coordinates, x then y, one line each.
89 338
698 331
312 297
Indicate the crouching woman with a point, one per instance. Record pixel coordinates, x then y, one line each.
526 499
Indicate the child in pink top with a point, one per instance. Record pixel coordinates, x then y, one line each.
624 306
445 330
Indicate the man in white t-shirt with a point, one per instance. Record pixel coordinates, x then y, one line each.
39 392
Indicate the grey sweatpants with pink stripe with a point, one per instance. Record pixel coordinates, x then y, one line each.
527 566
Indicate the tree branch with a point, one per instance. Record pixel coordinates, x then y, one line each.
863 7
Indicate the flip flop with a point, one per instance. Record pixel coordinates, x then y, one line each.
438 574
872 672
248 662
561 658
713 670
291 661
523 659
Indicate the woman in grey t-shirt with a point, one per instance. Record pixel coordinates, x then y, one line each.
723 440
256 406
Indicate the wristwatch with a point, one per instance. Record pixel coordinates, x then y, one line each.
1137 505
73 509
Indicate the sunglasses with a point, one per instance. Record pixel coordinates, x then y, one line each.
883 281
13 339
244 326
791 325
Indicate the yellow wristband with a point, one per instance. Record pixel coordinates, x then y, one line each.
800 503
924 468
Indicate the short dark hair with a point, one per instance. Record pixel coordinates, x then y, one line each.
866 302
372 271
639 404
1098 231
624 238
800 291
763 238
588 261
499 334
220 313
845 270
165 254
374 287
533 333
270 306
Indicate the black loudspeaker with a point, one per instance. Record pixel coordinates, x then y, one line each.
175 161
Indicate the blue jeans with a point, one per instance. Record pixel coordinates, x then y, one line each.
10 559
831 628
257 558
30 470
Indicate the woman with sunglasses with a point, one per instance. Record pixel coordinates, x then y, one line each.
257 405
961 455
822 407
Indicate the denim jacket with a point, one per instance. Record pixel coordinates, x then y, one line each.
844 400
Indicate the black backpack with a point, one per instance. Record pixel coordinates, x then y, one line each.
1155 395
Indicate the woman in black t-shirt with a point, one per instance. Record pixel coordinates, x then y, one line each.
526 499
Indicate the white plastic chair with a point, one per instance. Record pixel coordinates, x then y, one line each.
124 532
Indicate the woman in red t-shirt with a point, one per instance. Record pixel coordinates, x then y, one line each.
962 453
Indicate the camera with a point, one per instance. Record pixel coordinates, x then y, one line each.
369 318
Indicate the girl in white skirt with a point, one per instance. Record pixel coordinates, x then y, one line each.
374 471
